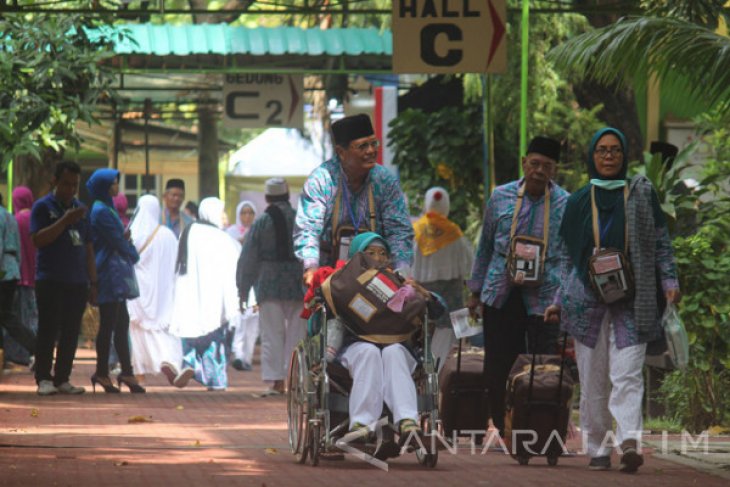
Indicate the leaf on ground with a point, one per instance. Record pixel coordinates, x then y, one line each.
139 419
271 451
179 407
34 413
123 463
197 443
718 430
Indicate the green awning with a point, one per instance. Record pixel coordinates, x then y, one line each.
221 48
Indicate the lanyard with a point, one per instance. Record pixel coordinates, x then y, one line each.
594 211
606 227
545 219
338 202
348 207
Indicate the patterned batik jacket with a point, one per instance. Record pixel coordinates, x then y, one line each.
315 213
489 275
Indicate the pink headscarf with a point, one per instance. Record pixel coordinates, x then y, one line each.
22 203
121 205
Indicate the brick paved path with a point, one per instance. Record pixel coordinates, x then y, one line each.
200 438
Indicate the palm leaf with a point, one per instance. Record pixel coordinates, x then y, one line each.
689 60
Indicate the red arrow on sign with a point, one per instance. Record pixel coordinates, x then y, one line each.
294 98
497 32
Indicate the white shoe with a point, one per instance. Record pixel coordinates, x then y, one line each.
46 388
183 377
169 371
68 388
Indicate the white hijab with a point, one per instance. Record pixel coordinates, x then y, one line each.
211 211
238 231
206 296
155 270
145 220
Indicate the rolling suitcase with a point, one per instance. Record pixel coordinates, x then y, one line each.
538 404
463 394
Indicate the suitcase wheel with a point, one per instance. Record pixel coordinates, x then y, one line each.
523 460
552 461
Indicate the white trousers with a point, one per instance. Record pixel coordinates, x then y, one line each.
380 376
281 330
611 385
441 344
245 335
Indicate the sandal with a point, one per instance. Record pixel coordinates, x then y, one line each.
411 434
358 434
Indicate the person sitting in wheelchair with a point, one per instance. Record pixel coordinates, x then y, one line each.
383 373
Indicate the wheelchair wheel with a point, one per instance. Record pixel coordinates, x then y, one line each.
298 407
316 441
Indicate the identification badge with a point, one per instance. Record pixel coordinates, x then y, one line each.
525 262
344 248
75 237
611 276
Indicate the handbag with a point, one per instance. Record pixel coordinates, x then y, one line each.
124 284
676 337
611 275
526 259
359 293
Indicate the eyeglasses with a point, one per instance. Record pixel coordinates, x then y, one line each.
367 145
604 151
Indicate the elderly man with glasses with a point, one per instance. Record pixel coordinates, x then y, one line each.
351 194
516 270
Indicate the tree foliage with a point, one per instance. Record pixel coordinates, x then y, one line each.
441 149
51 80
689 59
699 397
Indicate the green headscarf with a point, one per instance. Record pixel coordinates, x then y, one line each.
577 226
362 240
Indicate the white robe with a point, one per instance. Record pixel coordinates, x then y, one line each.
453 261
150 314
206 296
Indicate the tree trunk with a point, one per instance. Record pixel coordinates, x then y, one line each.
35 174
208 153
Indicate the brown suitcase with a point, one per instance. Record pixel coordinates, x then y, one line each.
463 394
539 400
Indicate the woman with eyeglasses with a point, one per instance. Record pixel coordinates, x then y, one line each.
619 251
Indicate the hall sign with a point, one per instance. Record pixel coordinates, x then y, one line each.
263 100
449 36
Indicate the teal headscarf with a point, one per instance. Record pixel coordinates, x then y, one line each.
362 240
577 226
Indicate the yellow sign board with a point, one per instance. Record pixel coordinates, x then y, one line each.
449 36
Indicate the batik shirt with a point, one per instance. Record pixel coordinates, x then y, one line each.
316 205
582 313
489 275
9 246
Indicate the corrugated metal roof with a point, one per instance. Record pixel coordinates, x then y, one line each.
223 39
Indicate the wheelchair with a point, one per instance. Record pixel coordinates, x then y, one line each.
318 393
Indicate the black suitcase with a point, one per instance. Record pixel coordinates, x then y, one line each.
463 394
538 404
